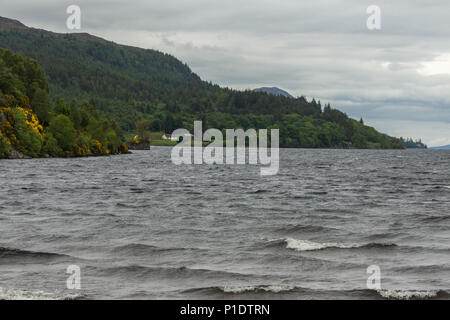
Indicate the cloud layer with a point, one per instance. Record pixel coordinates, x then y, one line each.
396 78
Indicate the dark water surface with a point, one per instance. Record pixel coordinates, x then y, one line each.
140 227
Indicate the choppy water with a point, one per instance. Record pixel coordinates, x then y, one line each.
141 227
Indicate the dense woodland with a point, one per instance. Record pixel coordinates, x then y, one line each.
32 125
131 84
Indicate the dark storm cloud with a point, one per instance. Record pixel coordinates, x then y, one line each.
318 49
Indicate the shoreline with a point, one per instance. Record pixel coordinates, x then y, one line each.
158 146
67 157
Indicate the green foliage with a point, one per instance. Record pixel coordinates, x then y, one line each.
51 146
4 150
163 143
413 144
22 77
102 130
143 130
29 141
62 108
71 129
62 129
41 104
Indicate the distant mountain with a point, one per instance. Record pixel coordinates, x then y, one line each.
130 84
447 147
274 90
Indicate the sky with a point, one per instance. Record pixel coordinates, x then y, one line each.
396 78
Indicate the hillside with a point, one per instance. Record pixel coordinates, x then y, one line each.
31 125
130 84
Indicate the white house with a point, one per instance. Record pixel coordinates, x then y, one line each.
167 136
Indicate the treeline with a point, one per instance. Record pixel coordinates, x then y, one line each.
413 144
32 125
131 84
328 129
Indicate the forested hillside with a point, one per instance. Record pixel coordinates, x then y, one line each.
31 125
132 84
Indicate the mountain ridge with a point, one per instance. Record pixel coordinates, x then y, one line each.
11 23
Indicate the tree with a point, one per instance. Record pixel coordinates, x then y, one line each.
142 130
62 108
51 146
63 131
41 104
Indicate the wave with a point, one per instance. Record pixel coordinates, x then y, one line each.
435 218
138 271
436 187
17 253
249 289
316 193
260 191
15 294
382 293
139 248
307 293
433 268
302 228
126 205
306 245
260 288
393 294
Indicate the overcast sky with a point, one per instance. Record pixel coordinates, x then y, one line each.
396 78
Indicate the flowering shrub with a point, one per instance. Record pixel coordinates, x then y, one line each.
97 147
32 121
20 130
123 148
35 126
29 140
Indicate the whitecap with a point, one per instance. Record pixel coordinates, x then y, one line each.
270 288
16 294
306 245
407 294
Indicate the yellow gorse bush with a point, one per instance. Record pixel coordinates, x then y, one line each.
32 121
7 123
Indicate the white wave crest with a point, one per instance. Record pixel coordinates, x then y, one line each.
407 294
306 245
274 288
15 294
